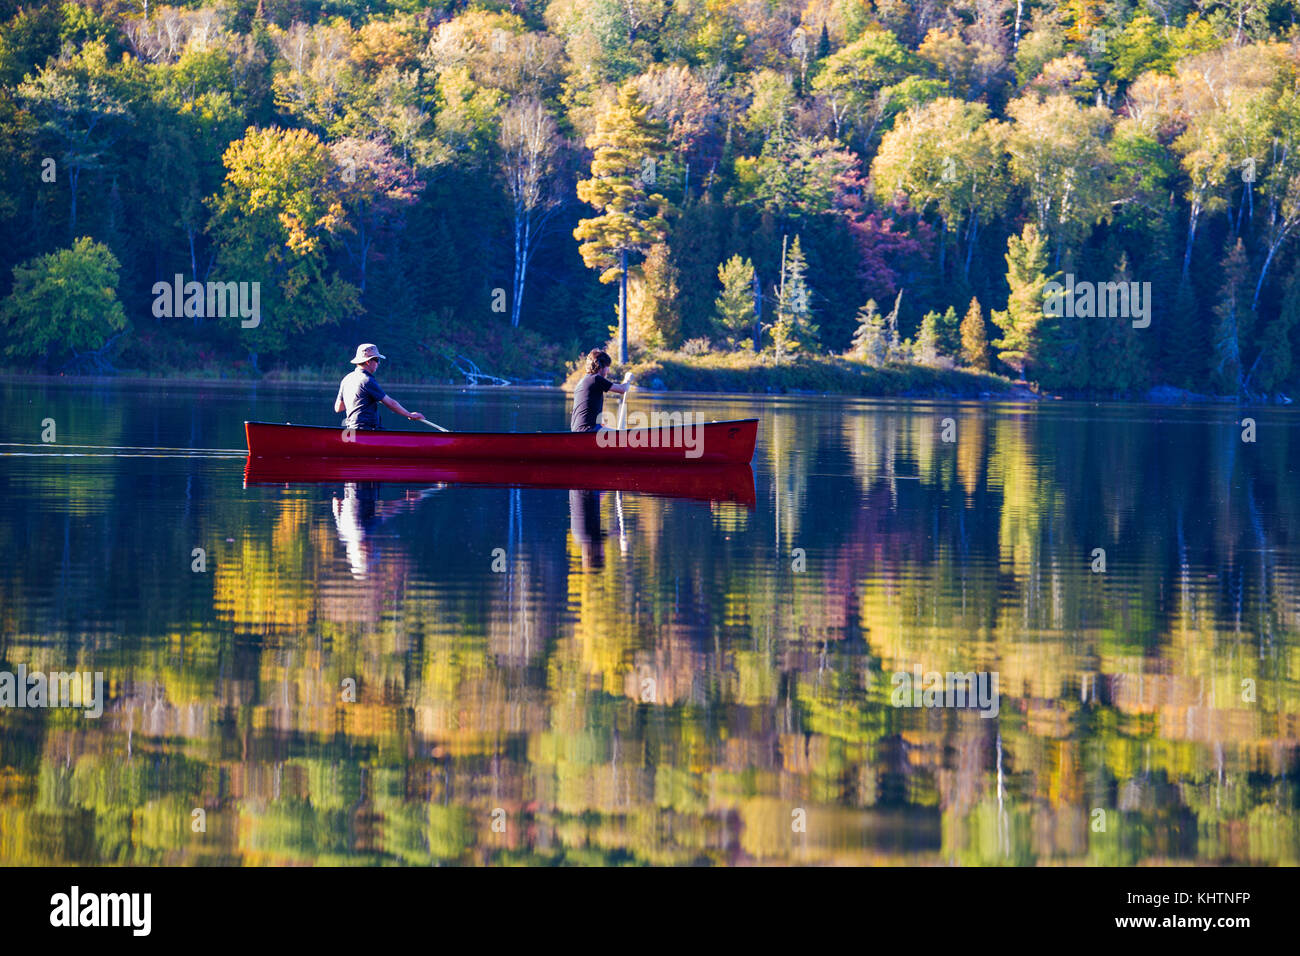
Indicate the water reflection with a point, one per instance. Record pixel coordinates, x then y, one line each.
359 513
678 698
584 523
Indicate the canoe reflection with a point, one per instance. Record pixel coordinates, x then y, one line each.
722 483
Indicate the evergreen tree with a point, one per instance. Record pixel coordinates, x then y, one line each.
627 146
870 343
824 43
1026 259
974 338
734 309
793 328
1118 355
949 333
927 339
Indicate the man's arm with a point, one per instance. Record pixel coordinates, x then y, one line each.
396 406
618 389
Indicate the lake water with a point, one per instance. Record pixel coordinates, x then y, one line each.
545 675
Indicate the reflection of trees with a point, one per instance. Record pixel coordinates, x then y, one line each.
481 691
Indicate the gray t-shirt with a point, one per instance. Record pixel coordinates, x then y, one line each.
360 395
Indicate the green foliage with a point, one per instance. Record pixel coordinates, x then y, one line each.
974 338
735 306
1122 132
870 341
627 146
64 302
279 212
793 329
927 340
1026 260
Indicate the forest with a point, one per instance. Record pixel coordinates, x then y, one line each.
889 184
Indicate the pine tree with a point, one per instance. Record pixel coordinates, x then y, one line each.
627 146
927 339
974 338
734 309
1118 357
1064 349
1229 316
793 328
824 43
1026 259
949 329
870 342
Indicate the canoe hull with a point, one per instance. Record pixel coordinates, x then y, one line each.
720 483
711 443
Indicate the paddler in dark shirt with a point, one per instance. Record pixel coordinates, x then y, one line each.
589 393
360 395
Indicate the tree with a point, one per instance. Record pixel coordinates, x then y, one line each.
949 333
627 147
870 342
795 176
899 351
947 155
529 142
1026 259
1282 186
854 82
1116 356
691 105
279 213
1230 314
974 338
64 301
653 315
75 104
375 186
927 339
735 307
793 328
1272 366
1059 156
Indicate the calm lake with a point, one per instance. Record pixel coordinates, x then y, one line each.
444 673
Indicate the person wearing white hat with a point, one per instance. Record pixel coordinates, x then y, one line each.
360 396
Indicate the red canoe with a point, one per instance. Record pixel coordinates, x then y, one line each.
726 483
711 443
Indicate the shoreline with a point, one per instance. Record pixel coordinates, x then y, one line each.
946 384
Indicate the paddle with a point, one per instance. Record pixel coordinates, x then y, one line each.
622 403
434 425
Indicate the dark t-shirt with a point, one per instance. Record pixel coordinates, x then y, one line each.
588 400
360 395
